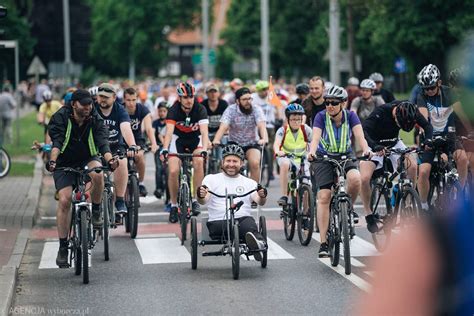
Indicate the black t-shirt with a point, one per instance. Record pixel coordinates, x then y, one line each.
187 126
136 121
311 110
215 117
386 95
158 125
380 127
113 121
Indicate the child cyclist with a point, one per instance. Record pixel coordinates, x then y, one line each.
292 138
159 127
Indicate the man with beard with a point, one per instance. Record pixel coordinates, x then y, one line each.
244 123
232 182
78 134
118 121
314 103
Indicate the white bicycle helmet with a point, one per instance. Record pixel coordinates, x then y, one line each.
94 90
429 76
376 77
336 92
353 81
367 84
47 95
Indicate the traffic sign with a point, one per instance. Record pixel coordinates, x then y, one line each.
400 65
36 67
197 57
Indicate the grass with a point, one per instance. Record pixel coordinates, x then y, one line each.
22 154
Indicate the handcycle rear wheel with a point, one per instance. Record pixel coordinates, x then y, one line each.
262 223
194 244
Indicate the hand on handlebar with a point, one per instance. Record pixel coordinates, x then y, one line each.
164 154
202 192
262 142
311 157
50 165
113 163
369 154
132 150
280 153
261 191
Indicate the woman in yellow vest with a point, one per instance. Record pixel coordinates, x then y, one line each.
291 139
332 132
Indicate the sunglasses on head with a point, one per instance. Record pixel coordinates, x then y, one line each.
333 103
430 88
106 90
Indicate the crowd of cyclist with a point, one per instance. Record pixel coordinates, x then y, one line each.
316 118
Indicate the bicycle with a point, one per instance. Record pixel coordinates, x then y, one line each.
300 206
341 221
215 157
108 211
184 191
231 242
132 199
445 188
82 236
404 200
5 162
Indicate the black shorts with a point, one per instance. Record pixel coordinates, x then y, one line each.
428 156
253 146
64 179
115 149
218 229
324 174
140 142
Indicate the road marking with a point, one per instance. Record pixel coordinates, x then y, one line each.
277 252
48 256
48 218
354 279
371 273
3 230
162 250
359 247
148 199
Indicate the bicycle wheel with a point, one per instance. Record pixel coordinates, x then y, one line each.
305 214
85 247
106 226
183 209
383 215
453 195
410 205
135 204
344 222
235 252
5 163
289 218
262 223
76 245
194 243
334 237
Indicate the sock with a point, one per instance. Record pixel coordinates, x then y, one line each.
424 205
174 204
95 207
63 243
194 200
141 183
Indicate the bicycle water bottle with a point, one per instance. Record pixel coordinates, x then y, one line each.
394 193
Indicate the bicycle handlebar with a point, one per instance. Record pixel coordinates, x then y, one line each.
235 196
83 171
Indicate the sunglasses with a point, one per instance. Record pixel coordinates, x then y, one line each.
430 88
106 90
333 103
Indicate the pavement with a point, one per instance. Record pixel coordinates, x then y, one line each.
19 198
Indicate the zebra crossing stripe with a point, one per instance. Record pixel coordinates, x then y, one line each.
162 250
48 256
275 252
359 247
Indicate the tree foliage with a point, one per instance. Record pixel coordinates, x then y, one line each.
122 28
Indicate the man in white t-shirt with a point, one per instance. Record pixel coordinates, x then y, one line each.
233 182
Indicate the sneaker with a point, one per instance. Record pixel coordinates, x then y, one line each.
323 250
168 208
196 208
254 244
158 193
283 201
173 214
143 191
355 216
61 259
372 226
253 205
118 219
121 208
97 221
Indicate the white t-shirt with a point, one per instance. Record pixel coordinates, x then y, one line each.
218 183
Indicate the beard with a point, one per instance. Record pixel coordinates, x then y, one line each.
105 106
245 111
231 172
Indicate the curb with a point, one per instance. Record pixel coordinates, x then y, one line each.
9 272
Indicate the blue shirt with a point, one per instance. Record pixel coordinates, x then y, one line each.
113 121
136 120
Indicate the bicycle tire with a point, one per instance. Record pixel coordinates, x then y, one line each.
382 237
106 226
289 219
183 208
262 223
135 205
76 247
305 235
333 237
235 252
85 247
5 163
344 222
194 243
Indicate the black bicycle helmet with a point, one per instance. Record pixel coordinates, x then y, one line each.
302 88
406 115
235 150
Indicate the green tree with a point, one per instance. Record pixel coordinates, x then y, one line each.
122 28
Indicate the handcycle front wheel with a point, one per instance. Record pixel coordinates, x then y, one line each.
262 223
235 252
194 243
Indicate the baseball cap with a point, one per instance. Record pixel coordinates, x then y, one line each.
106 90
211 86
83 96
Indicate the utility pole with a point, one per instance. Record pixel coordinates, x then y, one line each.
350 38
334 40
67 39
265 49
205 39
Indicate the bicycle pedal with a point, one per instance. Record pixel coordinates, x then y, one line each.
64 266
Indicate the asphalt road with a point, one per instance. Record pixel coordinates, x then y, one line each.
152 274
